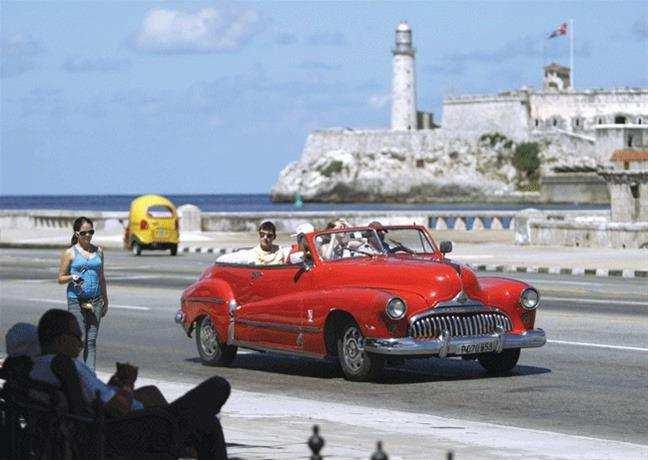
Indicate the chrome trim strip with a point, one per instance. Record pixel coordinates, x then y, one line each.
257 347
279 326
446 345
216 300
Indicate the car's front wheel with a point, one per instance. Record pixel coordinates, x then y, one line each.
212 351
356 363
174 249
499 362
137 249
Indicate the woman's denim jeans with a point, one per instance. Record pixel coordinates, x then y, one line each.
89 322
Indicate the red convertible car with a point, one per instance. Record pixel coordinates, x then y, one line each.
364 295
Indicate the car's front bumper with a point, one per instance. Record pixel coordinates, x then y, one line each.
449 346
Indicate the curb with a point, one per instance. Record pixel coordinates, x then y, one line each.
578 271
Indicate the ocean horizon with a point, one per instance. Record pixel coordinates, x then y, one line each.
249 202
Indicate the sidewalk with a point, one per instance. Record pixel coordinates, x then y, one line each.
488 251
261 426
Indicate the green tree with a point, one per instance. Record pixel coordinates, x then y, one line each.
526 160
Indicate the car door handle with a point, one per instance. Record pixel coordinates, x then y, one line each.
256 275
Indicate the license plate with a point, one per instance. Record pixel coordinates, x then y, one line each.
474 348
161 233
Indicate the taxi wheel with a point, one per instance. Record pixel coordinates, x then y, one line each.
211 350
174 250
137 249
499 362
357 365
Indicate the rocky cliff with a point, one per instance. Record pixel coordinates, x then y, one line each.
419 166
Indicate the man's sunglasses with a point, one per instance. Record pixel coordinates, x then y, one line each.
86 232
267 235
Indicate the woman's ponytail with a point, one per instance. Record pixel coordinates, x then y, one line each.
76 226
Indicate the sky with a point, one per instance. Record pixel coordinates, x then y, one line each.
215 97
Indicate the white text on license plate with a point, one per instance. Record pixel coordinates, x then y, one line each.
160 233
478 348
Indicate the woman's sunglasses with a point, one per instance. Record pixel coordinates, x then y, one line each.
270 236
86 232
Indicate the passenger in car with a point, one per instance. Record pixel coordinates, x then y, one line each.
267 253
302 251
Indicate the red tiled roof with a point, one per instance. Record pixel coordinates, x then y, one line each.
630 155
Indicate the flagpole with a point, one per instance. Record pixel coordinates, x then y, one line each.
571 51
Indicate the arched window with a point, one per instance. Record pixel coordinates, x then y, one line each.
639 121
600 121
620 120
536 122
554 122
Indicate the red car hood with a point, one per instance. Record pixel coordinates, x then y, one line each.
434 281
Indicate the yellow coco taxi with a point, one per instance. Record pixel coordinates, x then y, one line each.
152 224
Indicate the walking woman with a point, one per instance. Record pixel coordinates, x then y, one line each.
81 268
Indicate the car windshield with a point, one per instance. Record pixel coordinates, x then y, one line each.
371 242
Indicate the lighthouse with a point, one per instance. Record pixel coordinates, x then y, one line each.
403 116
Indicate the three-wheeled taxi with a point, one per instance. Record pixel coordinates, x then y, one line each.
152 225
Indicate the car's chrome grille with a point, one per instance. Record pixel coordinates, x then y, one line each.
460 324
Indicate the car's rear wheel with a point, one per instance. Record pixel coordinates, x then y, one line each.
212 351
137 249
174 249
356 363
499 362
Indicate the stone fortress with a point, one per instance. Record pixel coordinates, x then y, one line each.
470 155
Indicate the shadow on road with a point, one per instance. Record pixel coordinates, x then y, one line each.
413 371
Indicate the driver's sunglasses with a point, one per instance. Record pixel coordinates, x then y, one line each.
86 232
270 236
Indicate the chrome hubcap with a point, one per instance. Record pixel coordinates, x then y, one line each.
208 338
353 348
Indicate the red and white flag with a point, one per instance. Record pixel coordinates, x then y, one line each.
560 30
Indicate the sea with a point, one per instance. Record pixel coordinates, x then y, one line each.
251 202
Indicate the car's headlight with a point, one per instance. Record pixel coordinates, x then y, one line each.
530 299
396 308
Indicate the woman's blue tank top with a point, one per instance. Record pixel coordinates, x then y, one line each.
90 270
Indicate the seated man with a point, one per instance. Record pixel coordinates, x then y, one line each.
267 253
195 412
22 347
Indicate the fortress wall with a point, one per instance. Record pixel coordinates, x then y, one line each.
589 105
477 115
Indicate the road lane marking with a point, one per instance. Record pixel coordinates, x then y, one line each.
119 307
606 301
597 345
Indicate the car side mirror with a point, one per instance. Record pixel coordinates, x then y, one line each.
445 247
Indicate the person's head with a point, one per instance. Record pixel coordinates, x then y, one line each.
83 230
59 332
341 223
22 340
267 234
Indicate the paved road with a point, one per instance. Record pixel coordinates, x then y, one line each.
590 379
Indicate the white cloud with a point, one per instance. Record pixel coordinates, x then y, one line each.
378 101
209 30
20 44
107 64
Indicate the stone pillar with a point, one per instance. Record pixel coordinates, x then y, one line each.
626 206
190 218
403 116
643 202
621 203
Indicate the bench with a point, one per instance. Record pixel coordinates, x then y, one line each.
38 421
